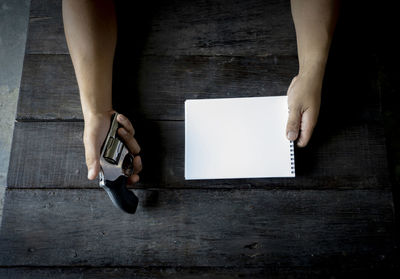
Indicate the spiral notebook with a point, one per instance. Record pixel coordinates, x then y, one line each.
237 138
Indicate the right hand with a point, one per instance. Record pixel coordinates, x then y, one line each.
95 132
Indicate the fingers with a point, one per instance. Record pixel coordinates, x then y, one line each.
137 164
129 141
300 126
308 121
94 134
304 97
137 167
126 133
133 179
293 124
126 124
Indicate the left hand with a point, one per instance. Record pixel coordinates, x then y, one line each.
304 100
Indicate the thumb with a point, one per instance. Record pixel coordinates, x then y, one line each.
293 124
92 159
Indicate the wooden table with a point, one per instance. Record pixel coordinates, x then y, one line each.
334 218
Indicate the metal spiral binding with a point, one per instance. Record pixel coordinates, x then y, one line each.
292 169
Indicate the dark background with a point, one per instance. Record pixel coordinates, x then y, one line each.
366 47
334 219
364 54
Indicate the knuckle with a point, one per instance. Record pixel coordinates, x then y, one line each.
294 108
123 133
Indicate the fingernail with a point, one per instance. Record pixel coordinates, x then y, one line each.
292 135
90 173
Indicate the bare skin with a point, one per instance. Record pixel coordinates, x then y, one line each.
91 32
315 22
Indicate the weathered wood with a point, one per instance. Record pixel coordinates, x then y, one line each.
46 30
154 87
50 154
230 228
158 85
335 217
48 89
151 272
382 269
139 272
196 27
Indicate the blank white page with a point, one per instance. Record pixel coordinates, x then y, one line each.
237 138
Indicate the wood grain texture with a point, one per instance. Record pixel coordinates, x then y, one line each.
216 228
48 89
383 269
195 27
153 87
334 219
152 82
46 30
51 155
150 272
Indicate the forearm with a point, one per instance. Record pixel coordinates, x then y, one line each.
314 22
91 33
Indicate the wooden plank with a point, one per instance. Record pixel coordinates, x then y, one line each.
155 87
383 269
144 272
229 228
51 155
48 89
46 30
158 84
196 27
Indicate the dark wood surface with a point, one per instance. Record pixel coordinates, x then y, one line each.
186 272
350 158
231 228
195 27
335 218
162 84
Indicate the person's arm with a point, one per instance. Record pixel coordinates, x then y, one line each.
91 32
314 22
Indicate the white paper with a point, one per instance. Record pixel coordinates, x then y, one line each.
237 138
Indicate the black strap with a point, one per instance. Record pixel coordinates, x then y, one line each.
120 195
